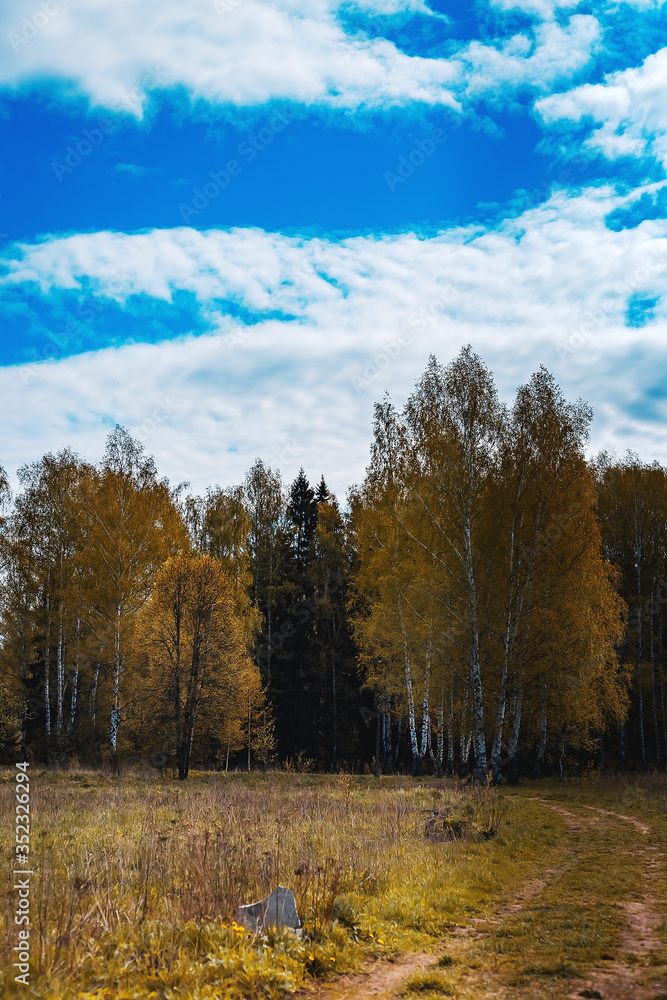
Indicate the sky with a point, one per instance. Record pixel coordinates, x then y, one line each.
232 225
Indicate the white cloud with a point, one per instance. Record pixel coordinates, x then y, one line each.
245 52
551 286
134 169
544 9
631 106
249 52
555 54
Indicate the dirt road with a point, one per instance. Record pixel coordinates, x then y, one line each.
632 972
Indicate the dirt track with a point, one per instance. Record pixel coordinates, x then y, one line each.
619 978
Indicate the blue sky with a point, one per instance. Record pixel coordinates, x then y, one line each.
232 224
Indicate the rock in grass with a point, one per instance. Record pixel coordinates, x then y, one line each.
278 909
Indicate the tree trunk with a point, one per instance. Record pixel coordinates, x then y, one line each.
450 733
510 628
93 692
411 702
116 697
75 678
654 700
334 693
249 736
479 740
386 738
516 705
640 679
24 697
60 685
542 734
399 733
661 671
426 717
377 770
440 747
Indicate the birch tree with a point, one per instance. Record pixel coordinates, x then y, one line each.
198 668
132 526
455 420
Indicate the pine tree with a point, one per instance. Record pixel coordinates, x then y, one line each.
633 507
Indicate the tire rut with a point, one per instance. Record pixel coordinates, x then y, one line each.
621 979
380 979
618 979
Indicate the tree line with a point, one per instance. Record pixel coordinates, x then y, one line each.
488 599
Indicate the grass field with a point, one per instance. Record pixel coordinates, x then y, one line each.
516 891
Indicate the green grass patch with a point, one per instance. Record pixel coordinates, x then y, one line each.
137 881
428 983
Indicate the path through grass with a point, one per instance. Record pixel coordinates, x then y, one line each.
137 882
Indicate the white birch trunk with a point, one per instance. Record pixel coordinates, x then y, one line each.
479 741
440 748
60 681
515 714
47 673
410 695
75 679
450 732
117 675
426 717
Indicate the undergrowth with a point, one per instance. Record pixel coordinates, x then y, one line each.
137 881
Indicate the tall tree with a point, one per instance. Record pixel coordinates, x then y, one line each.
197 655
330 572
132 526
265 509
49 536
219 525
455 422
633 510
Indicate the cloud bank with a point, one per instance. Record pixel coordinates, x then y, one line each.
553 285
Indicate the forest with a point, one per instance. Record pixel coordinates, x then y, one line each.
486 600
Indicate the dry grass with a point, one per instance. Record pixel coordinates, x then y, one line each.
138 879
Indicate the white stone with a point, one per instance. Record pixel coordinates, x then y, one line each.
278 909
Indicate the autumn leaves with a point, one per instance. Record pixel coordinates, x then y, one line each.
483 568
121 637
487 610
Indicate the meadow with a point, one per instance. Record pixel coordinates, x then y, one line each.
505 891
